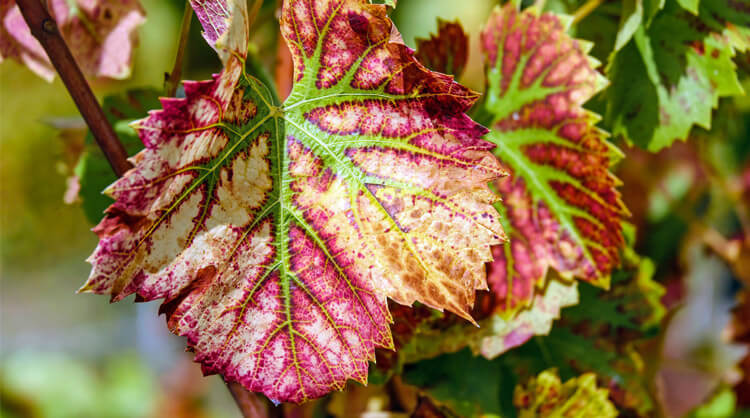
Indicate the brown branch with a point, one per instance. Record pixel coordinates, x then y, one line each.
250 404
44 29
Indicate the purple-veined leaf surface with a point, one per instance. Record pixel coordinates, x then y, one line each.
275 232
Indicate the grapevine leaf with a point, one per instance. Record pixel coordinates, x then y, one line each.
547 396
597 335
672 75
561 208
569 217
447 51
740 330
500 335
275 232
214 16
100 33
630 20
470 386
496 335
219 19
634 302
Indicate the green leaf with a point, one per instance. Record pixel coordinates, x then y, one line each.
690 5
670 77
471 386
634 302
630 20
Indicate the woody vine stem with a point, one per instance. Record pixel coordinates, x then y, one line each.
45 30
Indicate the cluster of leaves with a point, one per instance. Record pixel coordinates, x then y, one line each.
276 231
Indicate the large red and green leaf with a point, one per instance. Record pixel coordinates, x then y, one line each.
561 208
100 33
275 232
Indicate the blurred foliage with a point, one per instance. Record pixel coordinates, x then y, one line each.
53 385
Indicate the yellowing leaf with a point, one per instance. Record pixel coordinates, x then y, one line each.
275 232
101 35
547 396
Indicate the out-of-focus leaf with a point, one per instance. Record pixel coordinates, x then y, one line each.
740 330
495 335
690 5
498 335
471 386
631 18
224 23
547 396
447 51
275 232
697 357
92 170
672 75
597 335
722 405
621 322
101 35
634 302
53 385
474 386
561 208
